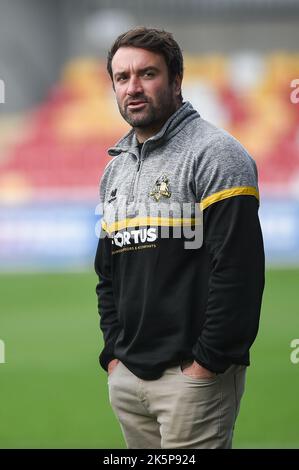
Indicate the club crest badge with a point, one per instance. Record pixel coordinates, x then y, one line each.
161 188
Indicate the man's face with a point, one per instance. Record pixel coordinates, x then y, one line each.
144 95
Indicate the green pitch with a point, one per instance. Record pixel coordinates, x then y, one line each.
54 394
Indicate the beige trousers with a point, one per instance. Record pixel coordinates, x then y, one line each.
176 411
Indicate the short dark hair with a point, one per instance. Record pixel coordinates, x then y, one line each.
153 40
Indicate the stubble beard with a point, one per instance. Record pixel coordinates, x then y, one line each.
152 115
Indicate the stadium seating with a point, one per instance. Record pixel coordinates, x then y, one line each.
62 149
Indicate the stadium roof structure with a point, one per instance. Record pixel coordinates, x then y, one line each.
206 8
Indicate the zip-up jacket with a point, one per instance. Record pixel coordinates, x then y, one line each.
180 259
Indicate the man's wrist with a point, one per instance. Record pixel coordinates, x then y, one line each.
112 363
199 366
201 369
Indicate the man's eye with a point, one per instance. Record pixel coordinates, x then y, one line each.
149 74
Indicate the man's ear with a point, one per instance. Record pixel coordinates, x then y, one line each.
177 85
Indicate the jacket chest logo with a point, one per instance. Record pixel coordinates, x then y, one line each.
112 195
161 188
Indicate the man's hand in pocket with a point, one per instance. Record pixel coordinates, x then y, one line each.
197 371
112 364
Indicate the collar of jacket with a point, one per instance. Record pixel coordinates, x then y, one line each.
174 124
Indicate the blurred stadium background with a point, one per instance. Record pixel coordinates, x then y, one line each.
58 116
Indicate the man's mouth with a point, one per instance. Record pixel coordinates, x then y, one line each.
136 104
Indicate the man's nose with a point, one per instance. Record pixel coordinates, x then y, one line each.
134 86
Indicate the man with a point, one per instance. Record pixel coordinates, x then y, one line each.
177 322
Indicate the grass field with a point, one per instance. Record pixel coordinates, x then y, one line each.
53 393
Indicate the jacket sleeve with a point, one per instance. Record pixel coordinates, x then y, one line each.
106 304
233 239
226 181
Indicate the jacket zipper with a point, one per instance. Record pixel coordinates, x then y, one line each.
134 184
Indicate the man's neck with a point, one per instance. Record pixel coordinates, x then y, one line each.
143 134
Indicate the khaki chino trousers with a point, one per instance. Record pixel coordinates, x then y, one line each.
176 411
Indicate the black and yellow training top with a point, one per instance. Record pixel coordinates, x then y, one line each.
180 258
